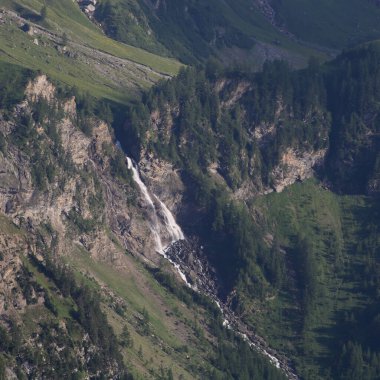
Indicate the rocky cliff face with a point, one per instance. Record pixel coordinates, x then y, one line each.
164 180
67 196
296 166
61 190
83 189
13 246
31 327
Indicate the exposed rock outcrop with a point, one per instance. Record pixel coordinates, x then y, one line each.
40 87
296 166
12 246
164 180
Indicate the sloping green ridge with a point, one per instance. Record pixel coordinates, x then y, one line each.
196 30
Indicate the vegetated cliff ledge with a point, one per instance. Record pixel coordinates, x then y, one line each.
257 132
220 128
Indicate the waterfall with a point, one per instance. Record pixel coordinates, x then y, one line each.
140 183
155 227
171 226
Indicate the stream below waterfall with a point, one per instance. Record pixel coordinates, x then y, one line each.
163 223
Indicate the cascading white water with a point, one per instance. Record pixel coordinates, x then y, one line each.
155 225
171 226
141 185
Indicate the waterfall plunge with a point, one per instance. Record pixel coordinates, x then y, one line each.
155 227
171 226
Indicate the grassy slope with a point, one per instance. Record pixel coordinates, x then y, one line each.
250 21
238 14
246 18
171 321
66 17
174 341
323 216
337 23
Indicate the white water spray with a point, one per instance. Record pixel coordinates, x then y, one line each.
155 228
140 183
171 226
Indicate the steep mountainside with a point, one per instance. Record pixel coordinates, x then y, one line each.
335 24
236 31
241 30
83 292
266 131
237 137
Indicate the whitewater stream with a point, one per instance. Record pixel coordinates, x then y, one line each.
163 223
